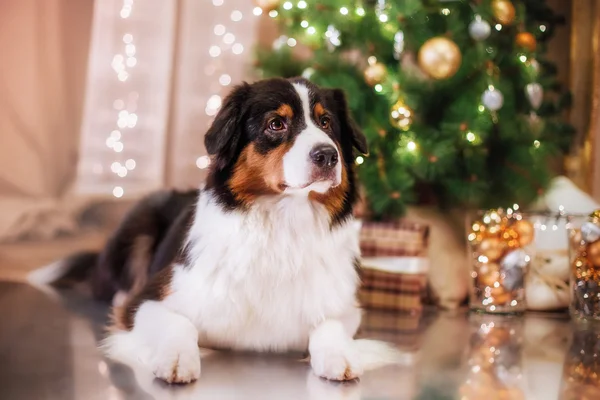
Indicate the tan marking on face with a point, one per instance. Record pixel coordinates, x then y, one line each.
256 174
334 198
318 110
285 111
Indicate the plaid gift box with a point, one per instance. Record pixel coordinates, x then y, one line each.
394 265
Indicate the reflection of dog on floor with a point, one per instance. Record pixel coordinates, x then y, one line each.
269 260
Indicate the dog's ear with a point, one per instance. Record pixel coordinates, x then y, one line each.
349 127
223 136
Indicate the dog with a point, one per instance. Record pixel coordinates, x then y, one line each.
269 261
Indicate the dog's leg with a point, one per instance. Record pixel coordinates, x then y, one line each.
332 355
163 341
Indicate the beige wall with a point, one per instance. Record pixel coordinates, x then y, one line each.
44 54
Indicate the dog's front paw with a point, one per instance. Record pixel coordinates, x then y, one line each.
336 364
176 363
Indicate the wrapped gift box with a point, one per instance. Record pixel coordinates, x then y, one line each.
394 265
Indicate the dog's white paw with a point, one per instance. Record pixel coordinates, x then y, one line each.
336 364
176 363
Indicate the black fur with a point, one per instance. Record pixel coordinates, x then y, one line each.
161 218
243 118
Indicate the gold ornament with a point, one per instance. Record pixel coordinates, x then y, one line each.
267 5
526 40
492 248
504 11
594 217
501 296
593 252
489 274
582 268
439 57
525 232
375 73
401 116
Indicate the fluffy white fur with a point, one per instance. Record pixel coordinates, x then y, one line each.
264 280
275 278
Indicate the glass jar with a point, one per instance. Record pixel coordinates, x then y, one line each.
494 358
498 248
584 257
547 281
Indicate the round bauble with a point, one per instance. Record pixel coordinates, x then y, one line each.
515 259
525 232
504 11
593 252
526 40
439 57
513 278
375 73
492 99
479 29
401 116
492 248
267 5
489 274
590 232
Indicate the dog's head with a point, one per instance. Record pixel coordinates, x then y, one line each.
281 137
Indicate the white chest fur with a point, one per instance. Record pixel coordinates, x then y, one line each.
262 279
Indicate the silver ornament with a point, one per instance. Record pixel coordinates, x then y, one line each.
516 258
479 29
398 44
492 99
590 232
333 38
535 94
513 267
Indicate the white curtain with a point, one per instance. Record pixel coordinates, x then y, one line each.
158 71
216 40
129 121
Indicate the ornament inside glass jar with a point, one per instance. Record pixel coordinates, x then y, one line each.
584 255
498 244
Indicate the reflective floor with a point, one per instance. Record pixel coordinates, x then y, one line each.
48 351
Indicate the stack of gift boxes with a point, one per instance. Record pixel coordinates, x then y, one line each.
394 266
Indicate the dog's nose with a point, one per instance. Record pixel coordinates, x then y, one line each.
324 156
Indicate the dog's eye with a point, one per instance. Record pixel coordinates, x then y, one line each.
325 122
276 124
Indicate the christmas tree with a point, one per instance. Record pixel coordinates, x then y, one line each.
459 104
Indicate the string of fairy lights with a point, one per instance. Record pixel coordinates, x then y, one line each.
123 64
223 40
